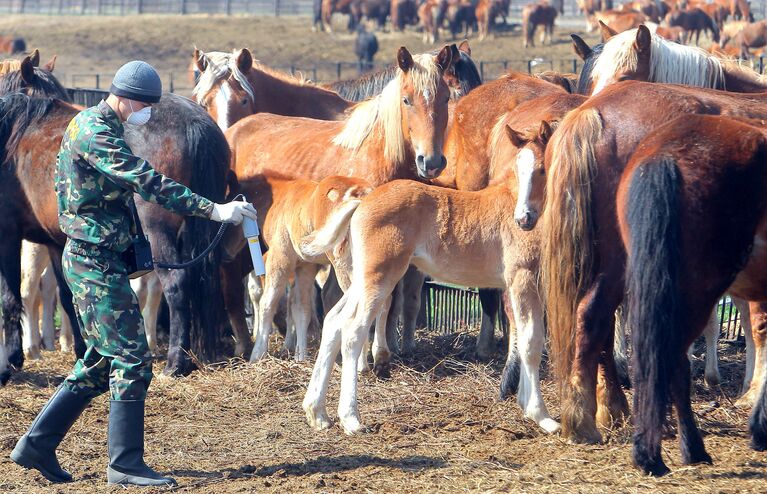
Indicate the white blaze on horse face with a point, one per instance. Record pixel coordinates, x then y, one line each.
222 105
525 167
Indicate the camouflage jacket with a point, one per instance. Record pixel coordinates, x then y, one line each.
96 176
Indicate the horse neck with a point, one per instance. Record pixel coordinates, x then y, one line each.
381 168
741 82
282 97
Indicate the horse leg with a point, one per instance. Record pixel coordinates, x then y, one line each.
255 290
10 282
232 288
690 440
33 259
711 333
289 341
150 305
392 321
490 301
176 284
302 306
315 400
65 298
277 274
511 369
381 353
66 335
411 304
612 406
758 421
747 399
49 302
528 319
758 327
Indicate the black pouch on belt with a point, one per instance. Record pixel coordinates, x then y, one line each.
138 256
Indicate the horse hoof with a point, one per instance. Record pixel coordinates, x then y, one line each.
33 354
712 381
353 427
584 437
382 370
550 425
318 421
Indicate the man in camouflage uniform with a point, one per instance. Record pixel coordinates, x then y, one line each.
96 177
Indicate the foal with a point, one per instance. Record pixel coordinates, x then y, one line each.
443 233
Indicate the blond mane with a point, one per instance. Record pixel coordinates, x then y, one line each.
669 62
222 66
9 65
382 114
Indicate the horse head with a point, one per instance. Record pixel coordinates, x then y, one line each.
31 79
622 59
424 98
223 88
530 172
462 76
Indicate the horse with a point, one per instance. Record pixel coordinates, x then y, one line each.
567 81
485 12
693 21
397 134
582 260
753 35
640 55
675 274
403 12
649 8
406 222
534 15
198 158
619 21
288 211
460 16
428 13
329 7
589 55
12 45
716 11
741 9
589 7
365 47
375 10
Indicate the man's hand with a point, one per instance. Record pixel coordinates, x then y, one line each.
233 212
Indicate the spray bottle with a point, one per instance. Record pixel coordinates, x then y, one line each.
250 231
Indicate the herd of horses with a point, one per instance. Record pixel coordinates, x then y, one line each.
638 183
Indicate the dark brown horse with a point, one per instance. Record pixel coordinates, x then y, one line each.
693 21
12 45
403 13
583 261
534 15
692 206
182 142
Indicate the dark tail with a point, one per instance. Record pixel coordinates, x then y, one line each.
208 153
652 285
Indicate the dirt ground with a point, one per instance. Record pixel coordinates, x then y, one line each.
436 427
93 44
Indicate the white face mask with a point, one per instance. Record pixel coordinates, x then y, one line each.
139 117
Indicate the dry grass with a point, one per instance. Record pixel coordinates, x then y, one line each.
437 427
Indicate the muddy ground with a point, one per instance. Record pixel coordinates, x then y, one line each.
437 427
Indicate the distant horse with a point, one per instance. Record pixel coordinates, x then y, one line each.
442 232
730 30
365 47
582 260
567 81
534 15
716 11
11 45
618 21
675 202
460 16
589 7
486 13
198 158
674 33
374 10
649 8
428 13
397 134
288 210
403 13
693 21
329 7
753 35
640 55
741 9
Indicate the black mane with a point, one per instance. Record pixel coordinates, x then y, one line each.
44 85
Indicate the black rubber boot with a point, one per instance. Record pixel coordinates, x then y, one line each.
126 447
37 448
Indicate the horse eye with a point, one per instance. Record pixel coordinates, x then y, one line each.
543 172
244 102
406 101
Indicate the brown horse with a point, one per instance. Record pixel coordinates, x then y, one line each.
330 7
403 13
648 7
619 21
675 34
716 11
12 45
534 15
753 35
676 202
741 9
589 7
693 21
485 13
582 262
428 13
640 55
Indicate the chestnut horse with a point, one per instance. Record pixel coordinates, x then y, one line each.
582 262
198 158
637 54
534 15
676 201
753 35
619 20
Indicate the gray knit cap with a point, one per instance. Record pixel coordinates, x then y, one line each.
138 81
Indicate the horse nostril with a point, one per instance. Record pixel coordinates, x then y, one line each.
419 160
444 161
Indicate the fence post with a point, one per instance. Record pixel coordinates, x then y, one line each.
575 65
529 66
98 82
82 7
170 85
183 6
228 7
338 71
140 6
98 7
276 8
482 70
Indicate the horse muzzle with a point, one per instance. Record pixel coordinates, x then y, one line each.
430 167
527 221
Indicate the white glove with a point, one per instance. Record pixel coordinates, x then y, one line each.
233 212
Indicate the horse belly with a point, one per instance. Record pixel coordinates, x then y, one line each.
462 267
751 282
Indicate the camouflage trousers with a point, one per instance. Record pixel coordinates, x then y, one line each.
117 355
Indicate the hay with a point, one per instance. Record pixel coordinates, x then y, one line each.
437 427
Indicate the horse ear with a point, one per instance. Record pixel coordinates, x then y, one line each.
544 133
515 137
582 49
607 31
51 64
27 70
643 40
405 60
244 60
34 57
445 58
200 60
454 52
464 47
